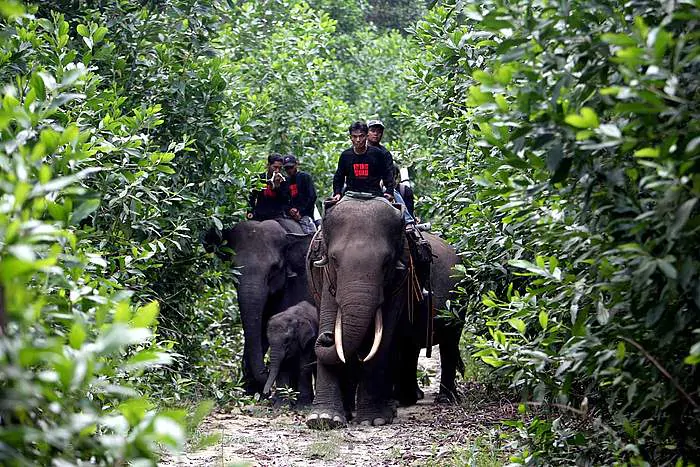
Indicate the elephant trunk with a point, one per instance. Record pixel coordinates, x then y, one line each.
360 304
276 359
251 301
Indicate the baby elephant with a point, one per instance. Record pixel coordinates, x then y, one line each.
292 335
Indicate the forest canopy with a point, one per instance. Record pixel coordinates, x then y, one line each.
556 146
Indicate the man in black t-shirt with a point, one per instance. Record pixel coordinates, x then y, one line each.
362 167
302 193
270 199
375 132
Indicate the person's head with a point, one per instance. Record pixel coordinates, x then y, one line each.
290 164
375 131
274 162
358 136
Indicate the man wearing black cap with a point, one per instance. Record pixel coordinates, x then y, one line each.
270 199
374 138
302 193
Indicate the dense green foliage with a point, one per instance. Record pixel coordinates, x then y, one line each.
556 144
571 135
128 128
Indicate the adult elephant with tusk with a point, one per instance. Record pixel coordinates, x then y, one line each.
271 258
363 299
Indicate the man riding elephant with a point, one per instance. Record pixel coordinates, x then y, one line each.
270 199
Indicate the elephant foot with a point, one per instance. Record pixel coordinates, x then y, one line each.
326 420
407 398
379 417
445 396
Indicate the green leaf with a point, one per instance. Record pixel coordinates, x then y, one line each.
618 39
166 169
85 209
586 119
492 361
77 335
146 315
37 84
544 319
620 353
647 152
123 312
682 215
667 268
56 211
518 324
83 30
147 359
11 8
99 34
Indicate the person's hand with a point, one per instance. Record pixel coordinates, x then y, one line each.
389 197
276 179
294 214
336 197
248 215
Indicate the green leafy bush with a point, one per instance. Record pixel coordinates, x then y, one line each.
70 342
571 140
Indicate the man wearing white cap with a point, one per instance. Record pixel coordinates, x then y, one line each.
374 138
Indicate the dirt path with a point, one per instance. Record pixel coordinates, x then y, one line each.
425 434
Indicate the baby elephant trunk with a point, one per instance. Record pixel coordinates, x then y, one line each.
276 358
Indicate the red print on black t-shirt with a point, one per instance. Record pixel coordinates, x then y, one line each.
361 170
293 190
269 193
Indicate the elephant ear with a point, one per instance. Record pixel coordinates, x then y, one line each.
307 334
295 251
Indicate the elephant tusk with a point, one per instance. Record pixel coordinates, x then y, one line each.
339 337
378 331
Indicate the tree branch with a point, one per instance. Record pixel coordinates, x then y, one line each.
663 371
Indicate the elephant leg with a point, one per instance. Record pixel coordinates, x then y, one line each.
374 406
327 410
450 358
348 386
306 390
250 385
406 391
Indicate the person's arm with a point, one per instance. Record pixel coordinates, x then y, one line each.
388 177
339 177
309 196
390 161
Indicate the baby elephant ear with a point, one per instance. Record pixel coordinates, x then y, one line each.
307 334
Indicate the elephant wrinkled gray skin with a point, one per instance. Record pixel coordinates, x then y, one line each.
267 256
292 334
364 320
